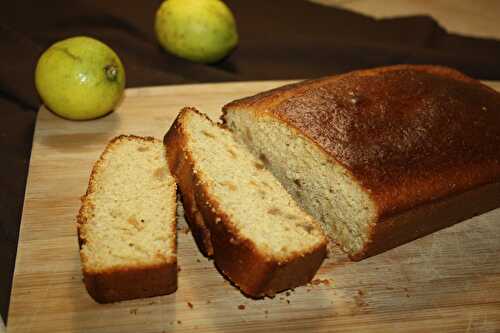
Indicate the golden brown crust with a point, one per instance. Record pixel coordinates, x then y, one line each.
182 171
408 134
123 283
130 283
236 257
425 219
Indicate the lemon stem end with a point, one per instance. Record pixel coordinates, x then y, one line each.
111 72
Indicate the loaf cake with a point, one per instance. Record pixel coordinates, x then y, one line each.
127 224
238 211
381 156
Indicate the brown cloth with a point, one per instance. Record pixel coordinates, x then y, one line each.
279 39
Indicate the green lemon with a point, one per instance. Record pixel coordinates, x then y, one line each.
199 30
80 78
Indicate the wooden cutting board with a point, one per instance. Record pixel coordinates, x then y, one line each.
448 281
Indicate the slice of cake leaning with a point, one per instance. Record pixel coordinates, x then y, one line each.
238 212
127 224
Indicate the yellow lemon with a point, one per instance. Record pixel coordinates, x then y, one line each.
80 78
199 30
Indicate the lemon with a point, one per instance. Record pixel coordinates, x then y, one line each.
202 31
80 78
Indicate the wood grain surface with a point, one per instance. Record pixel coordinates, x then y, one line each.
448 281
477 18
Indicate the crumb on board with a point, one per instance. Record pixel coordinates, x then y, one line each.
288 301
241 307
359 300
179 322
133 311
178 269
190 305
318 281
184 230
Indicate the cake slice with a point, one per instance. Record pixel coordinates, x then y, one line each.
379 156
238 212
127 225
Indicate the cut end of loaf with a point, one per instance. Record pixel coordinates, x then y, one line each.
321 186
127 218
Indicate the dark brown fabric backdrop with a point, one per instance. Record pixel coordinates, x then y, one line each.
279 39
